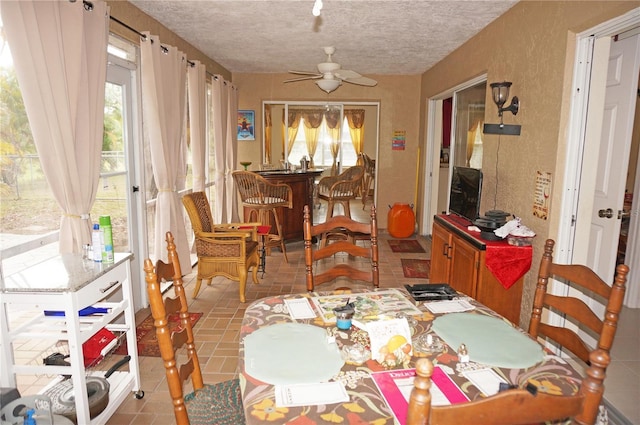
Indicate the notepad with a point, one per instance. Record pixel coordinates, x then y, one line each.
453 306
310 394
486 380
300 308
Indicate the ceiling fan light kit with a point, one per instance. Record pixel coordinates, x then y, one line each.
328 85
330 75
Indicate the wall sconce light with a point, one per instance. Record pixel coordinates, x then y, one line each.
500 93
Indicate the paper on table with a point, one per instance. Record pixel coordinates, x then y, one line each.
486 380
310 394
452 306
300 308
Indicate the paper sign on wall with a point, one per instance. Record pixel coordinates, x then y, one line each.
398 140
541 195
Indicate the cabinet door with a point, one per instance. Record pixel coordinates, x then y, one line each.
440 254
465 260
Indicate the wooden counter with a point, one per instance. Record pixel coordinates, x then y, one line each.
301 183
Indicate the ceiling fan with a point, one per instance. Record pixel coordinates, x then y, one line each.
330 75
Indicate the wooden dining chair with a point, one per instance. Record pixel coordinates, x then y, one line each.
218 403
228 250
576 312
510 407
351 231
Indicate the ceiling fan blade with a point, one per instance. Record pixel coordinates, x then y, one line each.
345 74
308 77
362 81
305 73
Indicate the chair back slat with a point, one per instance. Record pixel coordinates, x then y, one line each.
511 407
168 342
350 229
585 281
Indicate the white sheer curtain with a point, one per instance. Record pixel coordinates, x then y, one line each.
197 86
60 56
219 129
164 73
231 152
224 109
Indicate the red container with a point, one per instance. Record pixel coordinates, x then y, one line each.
401 220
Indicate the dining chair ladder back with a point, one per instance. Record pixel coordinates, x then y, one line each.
582 278
262 199
228 250
218 403
352 229
511 407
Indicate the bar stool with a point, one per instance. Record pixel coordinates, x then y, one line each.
341 189
263 198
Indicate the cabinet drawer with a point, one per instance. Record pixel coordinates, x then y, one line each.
103 286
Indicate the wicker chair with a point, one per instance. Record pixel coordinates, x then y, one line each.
263 198
218 403
341 189
224 249
369 176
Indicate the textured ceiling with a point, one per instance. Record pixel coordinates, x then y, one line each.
397 37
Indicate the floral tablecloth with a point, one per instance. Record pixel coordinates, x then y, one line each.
366 405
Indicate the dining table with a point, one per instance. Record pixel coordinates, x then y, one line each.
292 343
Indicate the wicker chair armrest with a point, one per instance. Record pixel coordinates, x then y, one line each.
249 229
345 188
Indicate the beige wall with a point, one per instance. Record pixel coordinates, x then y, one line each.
533 46
132 16
399 104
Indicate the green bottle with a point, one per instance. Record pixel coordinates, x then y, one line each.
107 246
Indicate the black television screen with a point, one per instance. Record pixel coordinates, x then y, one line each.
464 197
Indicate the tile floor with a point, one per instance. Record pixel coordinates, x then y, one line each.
217 335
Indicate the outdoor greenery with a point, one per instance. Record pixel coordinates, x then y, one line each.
27 206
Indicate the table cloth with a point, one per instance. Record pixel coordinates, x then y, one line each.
367 405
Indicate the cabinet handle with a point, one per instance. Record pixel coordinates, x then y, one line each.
111 285
449 249
445 249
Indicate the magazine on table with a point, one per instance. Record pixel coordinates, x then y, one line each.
369 306
396 386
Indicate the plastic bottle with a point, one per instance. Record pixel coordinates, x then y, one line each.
96 239
107 248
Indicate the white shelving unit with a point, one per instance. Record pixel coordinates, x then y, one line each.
68 283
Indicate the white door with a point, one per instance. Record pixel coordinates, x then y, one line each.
613 155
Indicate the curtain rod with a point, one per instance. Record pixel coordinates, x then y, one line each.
89 7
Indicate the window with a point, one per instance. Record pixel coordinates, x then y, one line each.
323 158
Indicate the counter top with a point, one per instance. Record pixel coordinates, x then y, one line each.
62 273
289 172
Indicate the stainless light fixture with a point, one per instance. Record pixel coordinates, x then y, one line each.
500 94
328 85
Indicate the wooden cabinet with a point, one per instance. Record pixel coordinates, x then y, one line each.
459 258
302 184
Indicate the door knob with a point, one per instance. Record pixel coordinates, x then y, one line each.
623 214
608 213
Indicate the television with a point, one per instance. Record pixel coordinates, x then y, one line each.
464 196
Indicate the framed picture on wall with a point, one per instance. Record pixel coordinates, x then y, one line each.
246 125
